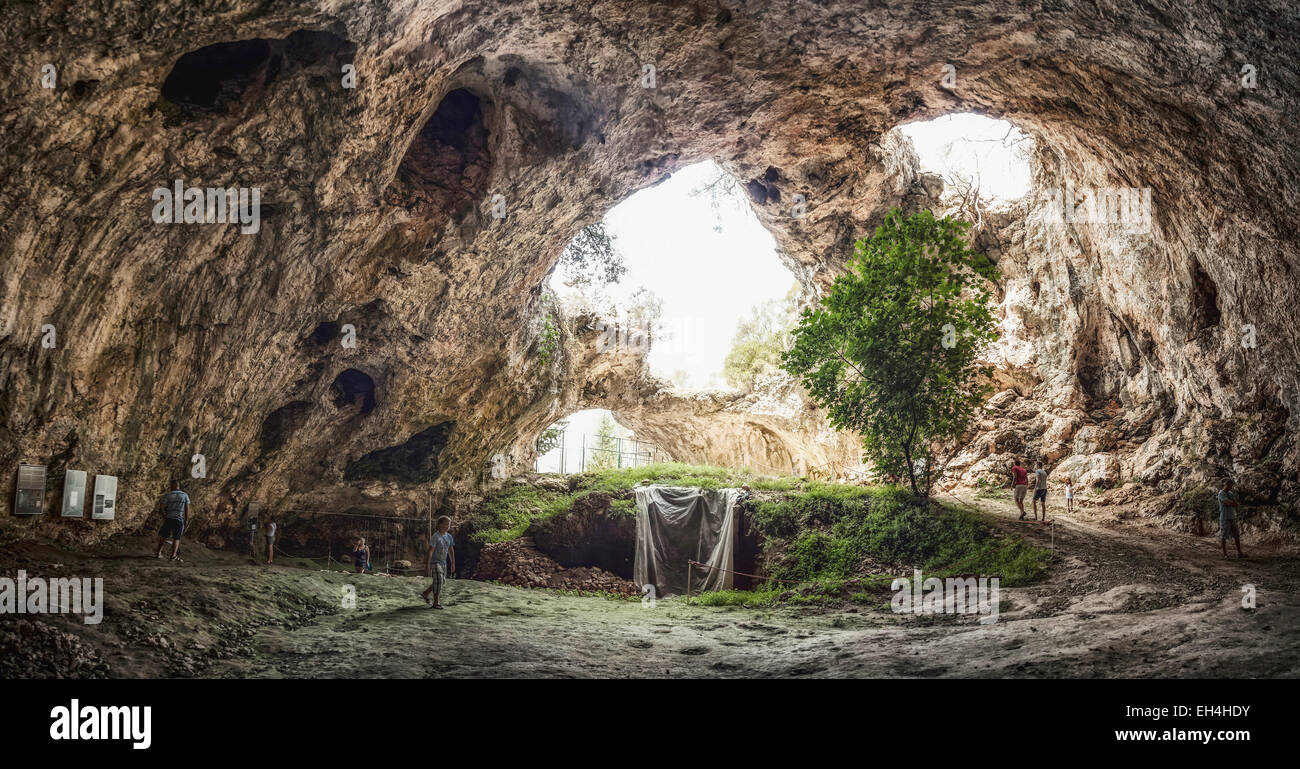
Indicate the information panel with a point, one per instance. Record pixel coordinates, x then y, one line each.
105 497
30 498
74 494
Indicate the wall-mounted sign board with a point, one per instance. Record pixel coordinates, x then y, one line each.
30 497
105 497
74 494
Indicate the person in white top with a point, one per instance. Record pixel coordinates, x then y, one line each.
270 540
1040 489
1069 495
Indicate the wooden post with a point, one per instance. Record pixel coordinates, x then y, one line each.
689 571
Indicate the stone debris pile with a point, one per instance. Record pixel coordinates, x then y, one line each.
519 563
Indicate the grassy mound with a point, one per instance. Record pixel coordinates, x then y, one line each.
845 539
833 533
508 513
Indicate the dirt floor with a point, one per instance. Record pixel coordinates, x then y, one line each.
1119 601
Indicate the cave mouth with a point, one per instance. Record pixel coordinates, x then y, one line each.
223 76
591 440
354 387
696 282
446 167
974 155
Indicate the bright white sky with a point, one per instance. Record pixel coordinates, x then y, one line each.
709 280
974 145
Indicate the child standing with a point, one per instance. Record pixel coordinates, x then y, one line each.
1069 495
442 547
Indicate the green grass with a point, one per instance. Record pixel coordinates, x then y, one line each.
750 598
817 534
507 514
678 474
826 534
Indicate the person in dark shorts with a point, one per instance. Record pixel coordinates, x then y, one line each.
361 555
1229 501
1040 489
252 534
175 507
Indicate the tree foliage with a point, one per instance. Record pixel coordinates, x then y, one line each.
891 351
604 452
551 437
590 259
760 340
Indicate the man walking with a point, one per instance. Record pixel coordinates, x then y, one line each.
441 549
1040 489
1020 482
175 506
1228 504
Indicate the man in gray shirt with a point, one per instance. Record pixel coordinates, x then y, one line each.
175 507
1228 504
1040 489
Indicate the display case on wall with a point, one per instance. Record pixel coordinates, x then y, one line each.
74 494
29 499
105 497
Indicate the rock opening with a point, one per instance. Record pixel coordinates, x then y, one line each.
354 388
447 164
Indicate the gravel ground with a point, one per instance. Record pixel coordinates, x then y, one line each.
1117 602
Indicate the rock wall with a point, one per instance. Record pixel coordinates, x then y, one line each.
379 219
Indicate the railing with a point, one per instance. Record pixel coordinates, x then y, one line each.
586 454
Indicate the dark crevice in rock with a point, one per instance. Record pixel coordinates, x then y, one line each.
589 535
415 461
1205 300
281 423
223 76
448 163
324 333
354 387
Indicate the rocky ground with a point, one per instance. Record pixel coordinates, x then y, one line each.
519 563
1119 601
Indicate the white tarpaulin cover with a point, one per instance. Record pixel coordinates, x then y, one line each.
674 525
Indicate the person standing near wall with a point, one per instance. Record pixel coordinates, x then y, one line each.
1229 501
270 539
175 506
1040 489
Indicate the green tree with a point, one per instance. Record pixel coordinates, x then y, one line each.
551 437
891 351
759 341
604 452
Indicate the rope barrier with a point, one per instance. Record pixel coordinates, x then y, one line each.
755 576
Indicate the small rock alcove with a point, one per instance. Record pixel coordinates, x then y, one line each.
448 163
354 387
223 76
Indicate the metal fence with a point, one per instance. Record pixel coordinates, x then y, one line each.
577 454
